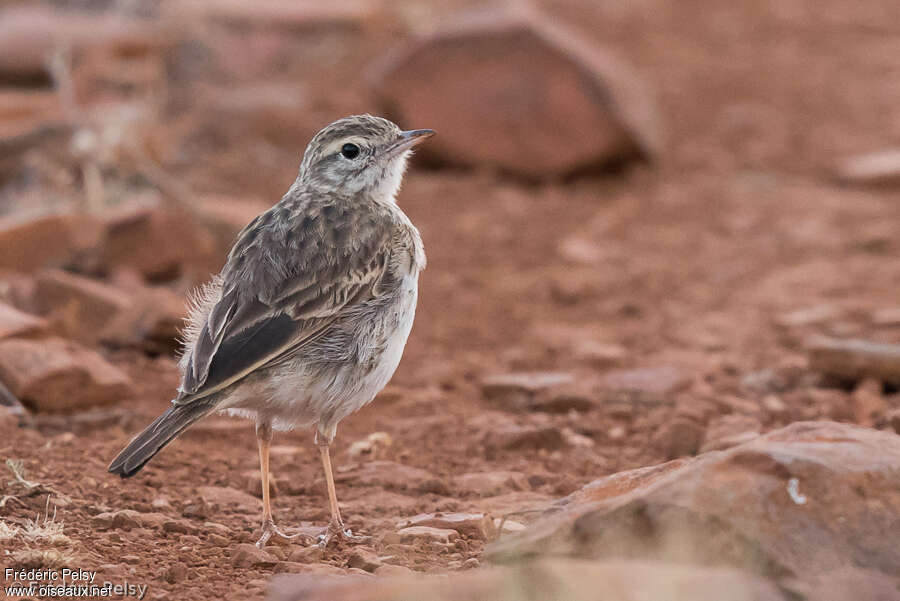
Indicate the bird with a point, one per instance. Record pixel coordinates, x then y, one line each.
308 318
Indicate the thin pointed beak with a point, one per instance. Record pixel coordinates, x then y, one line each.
408 139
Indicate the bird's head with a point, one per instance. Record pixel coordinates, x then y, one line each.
361 154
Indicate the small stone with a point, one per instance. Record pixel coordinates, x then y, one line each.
218 540
310 554
875 168
220 529
196 510
387 569
649 382
389 475
488 484
289 567
472 525
131 559
517 438
364 559
180 527
420 533
678 438
886 317
868 402
470 564
177 572
600 354
517 390
246 555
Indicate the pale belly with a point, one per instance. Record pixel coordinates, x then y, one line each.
309 391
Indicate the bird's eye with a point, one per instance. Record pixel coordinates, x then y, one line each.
350 151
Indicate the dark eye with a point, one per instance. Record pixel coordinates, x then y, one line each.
350 151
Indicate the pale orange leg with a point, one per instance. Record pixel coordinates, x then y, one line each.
264 438
336 526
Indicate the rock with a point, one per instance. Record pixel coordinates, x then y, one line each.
28 243
471 525
59 375
599 354
79 305
246 555
176 572
370 447
483 83
518 438
678 437
518 389
854 359
128 519
310 554
30 121
160 244
214 527
388 474
610 580
17 324
488 484
180 527
30 35
803 500
882 167
364 559
728 431
646 383
887 317
427 533
153 320
869 404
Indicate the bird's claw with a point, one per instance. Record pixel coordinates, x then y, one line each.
336 531
269 529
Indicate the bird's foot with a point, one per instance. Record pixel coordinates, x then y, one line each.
269 530
336 531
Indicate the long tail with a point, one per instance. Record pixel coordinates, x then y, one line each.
161 432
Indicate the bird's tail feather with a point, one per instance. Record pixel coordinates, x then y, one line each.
161 432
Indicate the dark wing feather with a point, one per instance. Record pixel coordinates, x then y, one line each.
268 310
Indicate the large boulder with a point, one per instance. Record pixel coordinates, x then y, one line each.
800 502
569 580
510 89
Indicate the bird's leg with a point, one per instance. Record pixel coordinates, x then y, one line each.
264 438
336 528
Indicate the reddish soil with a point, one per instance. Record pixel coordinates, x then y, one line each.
706 263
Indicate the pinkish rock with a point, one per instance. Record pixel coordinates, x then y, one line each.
28 243
516 90
609 580
427 533
246 555
59 375
79 305
646 382
472 525
524 438
18 324
804 500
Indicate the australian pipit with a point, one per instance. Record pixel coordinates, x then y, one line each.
308 318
